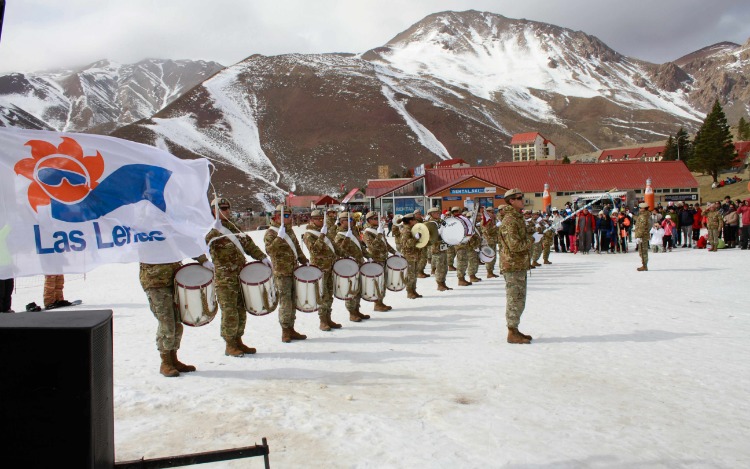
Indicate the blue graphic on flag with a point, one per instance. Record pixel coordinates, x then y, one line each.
126 185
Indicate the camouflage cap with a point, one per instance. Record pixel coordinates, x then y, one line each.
331 208
281 207
343 215
317 213
643 205
220 201
408 217
455 209
512 192
371 215
433 210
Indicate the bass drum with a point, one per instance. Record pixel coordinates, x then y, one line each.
454 231
372 275
395 273
486 254
258 288
308 288
345 279
195 295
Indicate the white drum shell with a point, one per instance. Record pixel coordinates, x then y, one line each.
258 288
308 288
372 277
454 231
345 279
486 254
395 273
193 283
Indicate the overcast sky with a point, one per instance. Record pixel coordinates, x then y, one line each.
44 34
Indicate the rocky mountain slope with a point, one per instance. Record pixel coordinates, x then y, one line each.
99 97
454 85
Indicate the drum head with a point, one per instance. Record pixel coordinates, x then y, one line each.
371 269
397 263
453 232
308 273
193 276
255 273
345 268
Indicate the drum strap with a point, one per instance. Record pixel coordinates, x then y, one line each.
352 237
287 239
376 234
325 238
229 235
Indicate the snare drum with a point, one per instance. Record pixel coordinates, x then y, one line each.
195 294
258 288
308 288
373 281
395 273
454 231
345 279
486 254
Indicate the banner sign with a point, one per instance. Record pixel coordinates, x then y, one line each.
452 197
474 190
72 202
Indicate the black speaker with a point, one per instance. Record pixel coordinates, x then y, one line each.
56 397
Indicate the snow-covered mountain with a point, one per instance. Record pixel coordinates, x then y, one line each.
99 97
454 85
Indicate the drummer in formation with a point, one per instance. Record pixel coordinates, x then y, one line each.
332 239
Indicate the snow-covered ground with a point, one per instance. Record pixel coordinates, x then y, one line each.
627 369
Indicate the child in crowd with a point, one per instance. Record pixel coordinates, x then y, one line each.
657 238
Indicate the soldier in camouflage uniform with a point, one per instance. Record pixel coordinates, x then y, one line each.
378 247
714 225
547 240
489 232
423 256
472 247
439 257
349 245
286 254
536 248
451 252
515 244
397 232
322 255
331 222
530 230
462 258
642 233
411 254
228 246
157 281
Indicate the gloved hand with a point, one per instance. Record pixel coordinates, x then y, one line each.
498 223
380 229
208 265
537 237
416 235
324 230
267 261
637 241
282 231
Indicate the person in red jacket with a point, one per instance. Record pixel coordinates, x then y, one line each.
744 212
697 223
585 228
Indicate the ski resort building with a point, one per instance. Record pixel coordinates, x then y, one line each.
532 146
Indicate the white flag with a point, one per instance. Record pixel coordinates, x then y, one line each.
72 202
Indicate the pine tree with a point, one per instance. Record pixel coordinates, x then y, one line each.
743 129
682 141
565 160
670 150
713 147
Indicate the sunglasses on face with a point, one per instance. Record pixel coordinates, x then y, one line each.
287 215
520 197
223 208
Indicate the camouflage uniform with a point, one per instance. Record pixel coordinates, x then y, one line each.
378 248
323 257
157 280
490 231
228 262
349 248
547 240
714 224
642 231
438 258
333 228
411 254
536 248
284 262
514 244
397 236
472 255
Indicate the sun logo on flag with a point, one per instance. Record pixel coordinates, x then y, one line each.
59 173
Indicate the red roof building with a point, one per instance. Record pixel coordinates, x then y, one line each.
647 153
532 146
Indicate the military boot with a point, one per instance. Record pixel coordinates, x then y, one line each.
474 279
181 367
361 315
412 294
525 335
232 349
353 317
451 268
380 306
245 349
286 334
642 268
491 275
331 324
547 262
462 282
443 287
167 367
536 264
515 337
422 275
297 336
324 325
